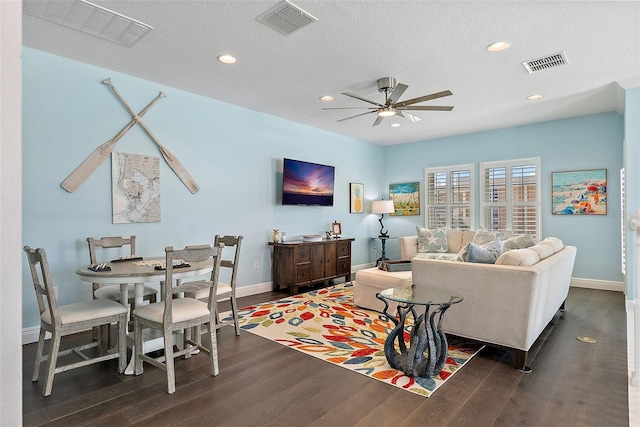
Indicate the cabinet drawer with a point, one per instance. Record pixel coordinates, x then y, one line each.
344 266
304 274
344 249
303 254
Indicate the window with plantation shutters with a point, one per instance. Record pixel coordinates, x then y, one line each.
449 197
510 196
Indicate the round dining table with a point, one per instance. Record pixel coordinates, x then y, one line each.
126 272
139 272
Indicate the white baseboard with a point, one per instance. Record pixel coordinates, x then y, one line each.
604 285
30 335
258 288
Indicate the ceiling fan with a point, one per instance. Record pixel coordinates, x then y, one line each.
391 106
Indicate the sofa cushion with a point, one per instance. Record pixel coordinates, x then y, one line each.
456 239
544 251
485 254
555 243
483 235
440 256
432 240
523 257
518 242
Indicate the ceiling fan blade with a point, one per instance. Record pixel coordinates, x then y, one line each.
408 116
378 120
426 108
349 108
357 115
424 98
397 92
353 95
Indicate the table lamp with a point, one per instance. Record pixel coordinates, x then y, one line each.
382 207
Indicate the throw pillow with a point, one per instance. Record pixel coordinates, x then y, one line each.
523 257
544 251
554 242
432 240
518 242
485 254
485 236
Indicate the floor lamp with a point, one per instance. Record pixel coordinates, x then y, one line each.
382 207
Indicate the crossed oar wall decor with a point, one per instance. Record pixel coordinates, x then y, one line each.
95 159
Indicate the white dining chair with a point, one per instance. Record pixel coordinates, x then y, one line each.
62 320
113 292
225 290
181 313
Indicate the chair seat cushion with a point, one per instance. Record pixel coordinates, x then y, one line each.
82 311
183 309
224 289
113 292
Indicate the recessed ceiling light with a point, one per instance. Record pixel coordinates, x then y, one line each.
534 97
395 125
227 59
498 46
326 98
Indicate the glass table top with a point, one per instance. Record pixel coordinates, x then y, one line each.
423 296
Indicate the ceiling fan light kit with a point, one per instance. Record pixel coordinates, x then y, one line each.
392 107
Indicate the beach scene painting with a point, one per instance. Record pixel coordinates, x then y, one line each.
581 192
406 198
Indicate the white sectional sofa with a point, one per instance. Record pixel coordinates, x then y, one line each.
506 304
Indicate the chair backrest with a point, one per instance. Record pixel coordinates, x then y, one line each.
230 242
42 283
107 243
191 254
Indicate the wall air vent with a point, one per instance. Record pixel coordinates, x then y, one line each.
546 62
286 17
89 18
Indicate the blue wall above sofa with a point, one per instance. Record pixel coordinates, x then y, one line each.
587 142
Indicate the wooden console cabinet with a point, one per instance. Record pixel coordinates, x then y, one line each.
304 263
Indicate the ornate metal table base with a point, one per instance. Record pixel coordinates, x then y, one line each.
427 351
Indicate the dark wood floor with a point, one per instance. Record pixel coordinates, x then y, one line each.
265 384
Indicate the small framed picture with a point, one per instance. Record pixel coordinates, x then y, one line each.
356 192
336 229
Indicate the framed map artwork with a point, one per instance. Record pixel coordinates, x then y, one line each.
135 188
406 198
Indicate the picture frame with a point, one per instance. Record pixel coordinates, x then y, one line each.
356 197
336 229
579 192
406 198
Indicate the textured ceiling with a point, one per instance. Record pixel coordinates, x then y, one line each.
430 46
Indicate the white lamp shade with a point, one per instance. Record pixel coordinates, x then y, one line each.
382 207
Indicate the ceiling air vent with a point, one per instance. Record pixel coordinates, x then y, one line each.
89 18
549 61
286 17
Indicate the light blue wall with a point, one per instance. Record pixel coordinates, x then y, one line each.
588 142
233 153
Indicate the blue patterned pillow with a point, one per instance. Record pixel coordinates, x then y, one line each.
485 254
430 241
484 236
518 242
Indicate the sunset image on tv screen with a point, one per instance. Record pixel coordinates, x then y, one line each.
307 183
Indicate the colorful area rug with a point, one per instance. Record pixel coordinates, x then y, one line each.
327 325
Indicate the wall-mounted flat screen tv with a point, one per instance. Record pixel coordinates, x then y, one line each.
305 183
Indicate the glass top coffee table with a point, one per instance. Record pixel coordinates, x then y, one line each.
427 351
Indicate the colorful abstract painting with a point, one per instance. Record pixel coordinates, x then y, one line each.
581 192
406 198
